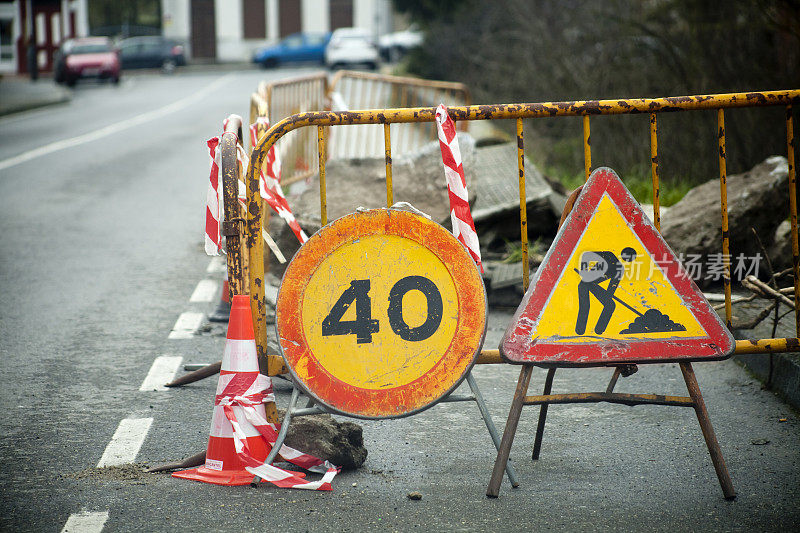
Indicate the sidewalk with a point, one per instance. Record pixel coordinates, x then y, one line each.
19 93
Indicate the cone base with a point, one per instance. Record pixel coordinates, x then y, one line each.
216 477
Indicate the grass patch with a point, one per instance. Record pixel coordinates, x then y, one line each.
639 183
514 251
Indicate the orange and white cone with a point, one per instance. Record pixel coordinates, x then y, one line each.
241 437
223 310
239 377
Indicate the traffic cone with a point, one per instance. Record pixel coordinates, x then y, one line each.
223 310
239 362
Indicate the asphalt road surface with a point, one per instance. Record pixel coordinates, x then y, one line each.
101 219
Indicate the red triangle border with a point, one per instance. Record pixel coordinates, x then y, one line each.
518 347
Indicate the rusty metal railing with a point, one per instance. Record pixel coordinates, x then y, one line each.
320 121
350 89
288 97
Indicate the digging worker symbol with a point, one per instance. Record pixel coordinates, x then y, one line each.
595 268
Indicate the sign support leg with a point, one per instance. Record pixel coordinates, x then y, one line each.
511 428
708 431
487 419
537 443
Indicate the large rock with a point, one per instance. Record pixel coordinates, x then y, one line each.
341 443
351 183
756 199
780 252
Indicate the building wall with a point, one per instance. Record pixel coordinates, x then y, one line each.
273 28
10 29
315 16
231 45
176 21
50 23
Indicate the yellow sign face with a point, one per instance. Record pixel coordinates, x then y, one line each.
611 288
375 342
380 314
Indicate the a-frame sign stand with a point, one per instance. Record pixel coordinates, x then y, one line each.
610 292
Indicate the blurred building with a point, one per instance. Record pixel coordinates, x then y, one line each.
229 30
213 30
31 30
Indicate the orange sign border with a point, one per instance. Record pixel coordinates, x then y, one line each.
426 390
518 345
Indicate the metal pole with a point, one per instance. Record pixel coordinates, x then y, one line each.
523 207
487 419
723 191
708 431
537 442
493 490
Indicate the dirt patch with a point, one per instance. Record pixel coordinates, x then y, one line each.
126 472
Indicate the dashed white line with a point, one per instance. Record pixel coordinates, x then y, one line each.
186 325
162 372
205 291
217 264
125 444
86 522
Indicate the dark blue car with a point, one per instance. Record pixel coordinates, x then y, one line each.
296 48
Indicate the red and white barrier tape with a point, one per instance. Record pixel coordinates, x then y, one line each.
213 200
247 391
460 214
269 187
270 183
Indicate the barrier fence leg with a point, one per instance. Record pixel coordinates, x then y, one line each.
511 428
537 442
197 375
708 431
487 419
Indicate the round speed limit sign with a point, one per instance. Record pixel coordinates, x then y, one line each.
380 314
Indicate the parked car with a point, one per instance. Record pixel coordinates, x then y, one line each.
395 45
151 52
351 47
90 57
296 48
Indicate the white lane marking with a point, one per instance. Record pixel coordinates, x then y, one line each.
86 522
162 372
217 264
113 128
125 444
186 325
205 291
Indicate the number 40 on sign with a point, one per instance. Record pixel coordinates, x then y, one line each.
380 314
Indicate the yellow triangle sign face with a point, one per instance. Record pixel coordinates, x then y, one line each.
584 291
611 291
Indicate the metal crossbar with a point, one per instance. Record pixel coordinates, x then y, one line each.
322 120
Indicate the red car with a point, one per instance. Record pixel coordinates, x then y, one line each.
90 57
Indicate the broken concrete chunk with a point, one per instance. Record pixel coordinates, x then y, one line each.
341 443
756 198
352 183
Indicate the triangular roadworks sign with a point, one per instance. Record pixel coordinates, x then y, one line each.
610 290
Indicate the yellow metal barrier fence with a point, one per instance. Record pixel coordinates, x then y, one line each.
349 89
365 90
288 97
652 106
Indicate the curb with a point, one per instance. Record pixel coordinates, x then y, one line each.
785 373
